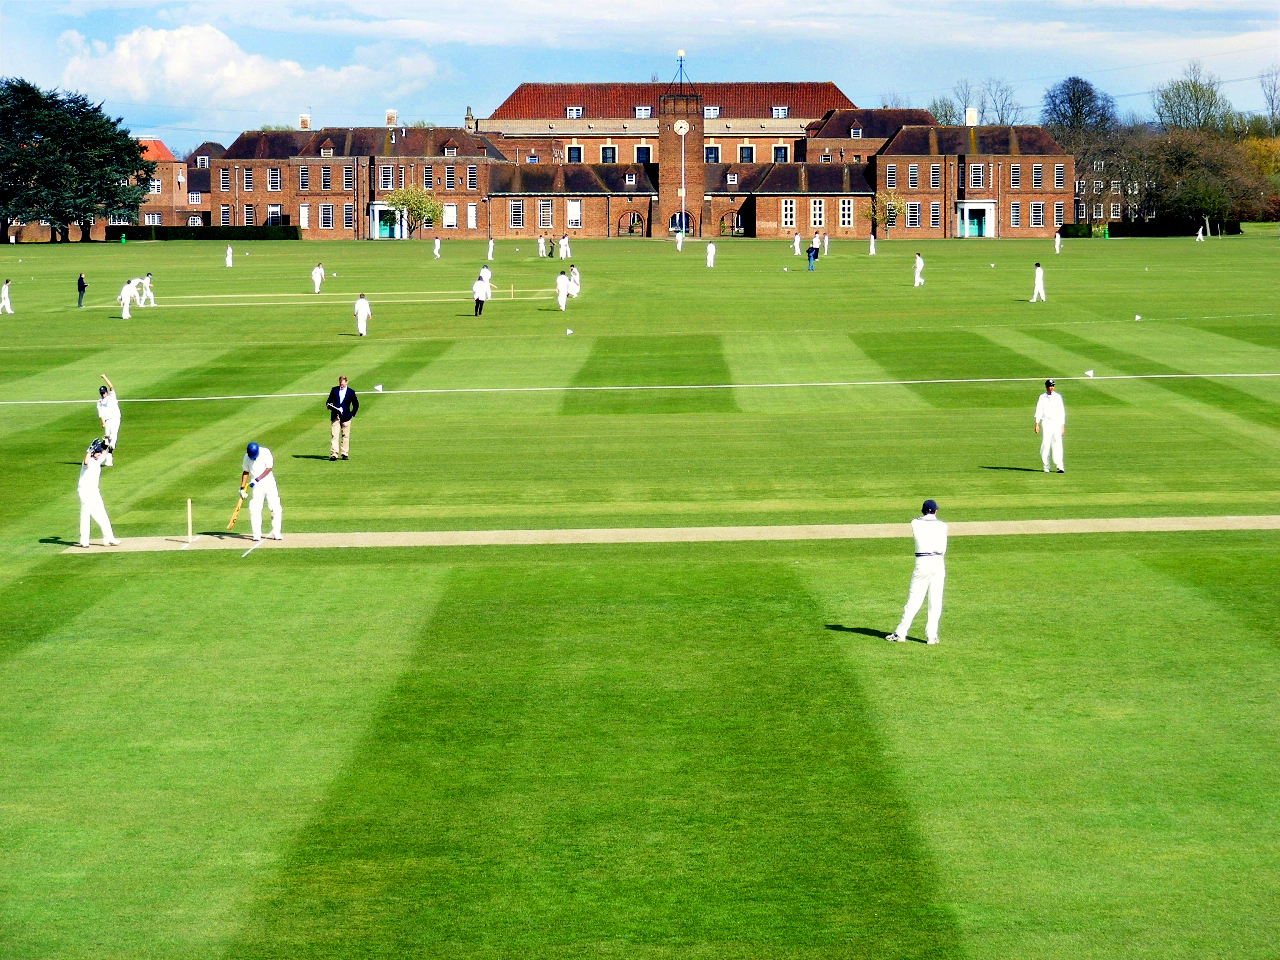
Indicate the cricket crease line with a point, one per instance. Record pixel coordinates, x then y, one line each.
620 535
685 386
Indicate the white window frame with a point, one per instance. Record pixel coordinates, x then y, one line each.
450 151
304 216
473 178
644 113
275 215
788 213
1098 186
935 214
1097 211
710 113
428 178
977 176
817 213
780 113
1059 213
631 179
117 220
573 113
708 150
450 178
846 212
194 222
1037 176
1115 211
1037 214
573 153
348 216
546 215
1059 176
786 153
326 179
1015 214
1015 176
649 152
348 178
326 216
152 219
913 176
473 213
224 215
224 179
913 214
273 179
515 214
891 217
935 176
249 216
855 133
386 177
193 197
450 218
304 178
247 179
891 176
1115 187
202 163
573 214
155 186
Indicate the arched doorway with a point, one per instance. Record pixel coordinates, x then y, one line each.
631 224
675 224
731 225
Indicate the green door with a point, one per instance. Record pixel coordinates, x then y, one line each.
386 224
977 223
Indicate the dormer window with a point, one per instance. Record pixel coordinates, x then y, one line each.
855 133
450 151
731 179
631 179
780 113
202 163
573 113
711 113
643 113
326 151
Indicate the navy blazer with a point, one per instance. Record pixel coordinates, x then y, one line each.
349 406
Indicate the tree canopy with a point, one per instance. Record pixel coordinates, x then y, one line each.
1074 107
64 161
416 205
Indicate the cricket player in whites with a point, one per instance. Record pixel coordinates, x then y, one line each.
930 573
109 414
317 276
91 505
1037 290
362 312
1051 424
259 479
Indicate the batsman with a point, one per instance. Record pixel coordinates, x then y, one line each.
258 480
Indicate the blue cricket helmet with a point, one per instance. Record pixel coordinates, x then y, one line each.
929 507
252 450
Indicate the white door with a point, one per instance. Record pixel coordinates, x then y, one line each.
471 216
304 216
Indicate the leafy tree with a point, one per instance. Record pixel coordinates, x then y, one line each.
946 112
1193 102
886 209
415 205
1074 110
1193 174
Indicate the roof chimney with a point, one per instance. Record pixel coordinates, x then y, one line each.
970 116
392 119
304 121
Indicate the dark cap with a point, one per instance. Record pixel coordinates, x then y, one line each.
1050 383
102 391
929 507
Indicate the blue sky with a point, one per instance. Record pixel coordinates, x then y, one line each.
187 71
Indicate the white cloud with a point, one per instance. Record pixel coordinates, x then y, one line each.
199 66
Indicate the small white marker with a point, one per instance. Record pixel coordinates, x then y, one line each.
1137 316
1088 373
377 388
568 333
993 265
784 269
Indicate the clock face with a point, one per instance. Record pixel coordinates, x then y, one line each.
681 127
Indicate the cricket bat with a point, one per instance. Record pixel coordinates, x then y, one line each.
235 513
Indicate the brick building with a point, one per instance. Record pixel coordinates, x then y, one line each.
854 136
976 181
199 202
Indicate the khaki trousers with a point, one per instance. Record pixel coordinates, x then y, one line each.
338 429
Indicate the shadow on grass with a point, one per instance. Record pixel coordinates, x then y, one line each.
309 456
866 632
62 541
1017 469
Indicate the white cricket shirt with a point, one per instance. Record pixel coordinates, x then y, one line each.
89 474
930 534
1050 409
108 406
363 310
256 468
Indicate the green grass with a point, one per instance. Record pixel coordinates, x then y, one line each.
652 751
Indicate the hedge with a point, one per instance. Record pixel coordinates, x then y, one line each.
1170 228
1076 231
221 234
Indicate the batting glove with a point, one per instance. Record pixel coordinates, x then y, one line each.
244 494
251 484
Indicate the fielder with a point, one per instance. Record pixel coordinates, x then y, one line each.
230 256
575 282
485 273
1051 414
826 244
565 254
125 298
929 576
711 255
109 415
1199 239
1057 241
490 256
873 246
919 271
542 245
435 250
145 293
259 479
5 305
317 276
795 244
1038 289
91 505
679 240
562 290
362 313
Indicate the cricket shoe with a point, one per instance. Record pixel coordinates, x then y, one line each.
1060 470
934 640
893 637
111 543
277 536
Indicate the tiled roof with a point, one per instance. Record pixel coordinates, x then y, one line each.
156 151
574 179
787 178
209 148
198 179
990 141
536 101
359 142
875 124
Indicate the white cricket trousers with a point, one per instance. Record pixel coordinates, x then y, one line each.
92 508
927 579
919 279
5 305
317 283
711 259
264 490
562 298
1051 442
361 329
1038 292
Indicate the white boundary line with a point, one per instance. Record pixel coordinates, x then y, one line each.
689 386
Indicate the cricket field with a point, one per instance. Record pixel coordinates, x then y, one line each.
699 749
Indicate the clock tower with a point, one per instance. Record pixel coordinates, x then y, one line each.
680 184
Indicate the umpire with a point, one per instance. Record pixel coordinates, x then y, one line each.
343 407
